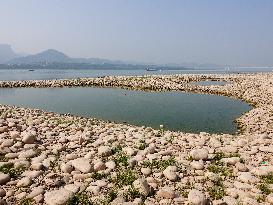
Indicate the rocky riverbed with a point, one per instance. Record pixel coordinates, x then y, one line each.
48 158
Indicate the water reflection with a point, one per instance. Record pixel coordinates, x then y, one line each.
175 110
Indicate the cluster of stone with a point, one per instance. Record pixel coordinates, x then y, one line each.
48 158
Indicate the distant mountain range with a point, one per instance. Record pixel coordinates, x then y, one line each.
6 53
55 59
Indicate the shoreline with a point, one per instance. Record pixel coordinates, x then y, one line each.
168 167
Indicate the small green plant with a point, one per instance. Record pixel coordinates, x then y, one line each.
98 176
142 145
11 170
217 191
159 164
161 130
117 149
80 199
121 159
264 188
260 198
132 193
268 178
111 195
170 139
124 178
183 191
218 156
235 155
189 158
219 168
3 158
26 202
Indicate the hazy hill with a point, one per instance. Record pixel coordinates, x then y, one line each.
45 57
6 53
55 59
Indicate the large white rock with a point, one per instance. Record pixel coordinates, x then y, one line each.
196 197
66 168
104 151
24 182
58 197
27 154
98 166
142 186
197 165
82 164
72 187
2 192
4 178
198 154
170 174
246 177
165 192
110 165
7 143
28 138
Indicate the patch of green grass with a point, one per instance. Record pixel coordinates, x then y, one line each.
189 158
170 139
132 193
80 199
3 158
111 195
235 155
217 191
219 168
268 178
124 178
11 170
218 156
142 145
117 149
264 188
183 191
260 198
121 159
98 176
26 202
160 164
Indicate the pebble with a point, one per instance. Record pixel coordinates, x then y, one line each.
58 197
170 174
4 178
146 171
198 154
24 182
99 166
196 197
66 168
104 151
2 192
197 165
166 192
142 186
82 165
28 138
110 165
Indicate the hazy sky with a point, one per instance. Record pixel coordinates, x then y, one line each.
238 32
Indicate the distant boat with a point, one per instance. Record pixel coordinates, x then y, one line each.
151 69
30 70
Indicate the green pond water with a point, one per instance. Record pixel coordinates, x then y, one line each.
187 112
